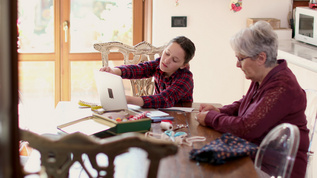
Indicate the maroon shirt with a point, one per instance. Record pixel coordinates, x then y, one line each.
279 99
168 91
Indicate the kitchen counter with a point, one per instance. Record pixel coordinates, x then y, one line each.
298 53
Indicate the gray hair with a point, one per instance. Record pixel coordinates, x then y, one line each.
260 37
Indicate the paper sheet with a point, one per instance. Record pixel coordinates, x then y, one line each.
184 109
152 112
157 114
87 127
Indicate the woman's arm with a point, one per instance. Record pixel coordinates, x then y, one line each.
274 105
176 91
115 71
136 100
138 71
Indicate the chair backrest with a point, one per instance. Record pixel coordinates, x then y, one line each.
277 151
59 155
311 113
141 52
311 116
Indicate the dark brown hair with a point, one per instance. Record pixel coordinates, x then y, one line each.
187 45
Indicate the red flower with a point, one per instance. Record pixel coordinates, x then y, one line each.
236 7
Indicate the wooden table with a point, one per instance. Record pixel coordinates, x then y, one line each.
180 166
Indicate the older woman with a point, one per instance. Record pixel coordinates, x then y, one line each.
274 96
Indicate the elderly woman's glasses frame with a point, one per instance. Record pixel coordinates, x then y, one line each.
241 59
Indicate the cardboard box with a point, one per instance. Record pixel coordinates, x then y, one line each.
101 125
284 33
142 125
275 23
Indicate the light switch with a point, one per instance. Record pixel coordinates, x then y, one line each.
179 21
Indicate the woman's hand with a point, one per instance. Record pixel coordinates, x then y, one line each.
106 69
115 71
200 117
207 107
203 110
134 100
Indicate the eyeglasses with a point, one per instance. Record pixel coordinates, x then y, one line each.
241 59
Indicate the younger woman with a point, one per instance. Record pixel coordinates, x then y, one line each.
173 79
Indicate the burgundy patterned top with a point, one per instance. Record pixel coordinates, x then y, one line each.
279 99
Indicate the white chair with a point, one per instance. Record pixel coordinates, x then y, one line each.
97 157
311 116
277 151
141 52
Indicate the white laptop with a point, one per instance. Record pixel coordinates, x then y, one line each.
111 91
112 96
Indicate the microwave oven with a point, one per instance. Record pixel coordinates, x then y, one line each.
306 25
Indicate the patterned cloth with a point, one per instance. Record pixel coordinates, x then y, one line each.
223 149
168 91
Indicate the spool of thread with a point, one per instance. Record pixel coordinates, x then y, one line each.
166 125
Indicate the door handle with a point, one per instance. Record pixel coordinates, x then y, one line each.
65 28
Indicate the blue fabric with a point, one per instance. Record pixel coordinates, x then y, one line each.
223 149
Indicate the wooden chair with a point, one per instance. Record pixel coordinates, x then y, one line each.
141 52
58 155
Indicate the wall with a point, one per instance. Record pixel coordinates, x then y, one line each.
306 78
210 25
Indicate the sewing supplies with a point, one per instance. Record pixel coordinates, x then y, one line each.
139 116
166 125
179 138
93 106
180 126
170 134
130 118
160 118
